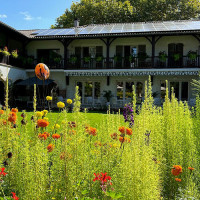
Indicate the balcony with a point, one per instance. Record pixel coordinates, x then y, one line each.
133 63
111 63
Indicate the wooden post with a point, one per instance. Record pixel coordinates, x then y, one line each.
153 51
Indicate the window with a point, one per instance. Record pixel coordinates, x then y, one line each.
129 90
162 89
175 55
184 91
120 90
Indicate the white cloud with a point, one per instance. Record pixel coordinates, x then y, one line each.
3 16
27 16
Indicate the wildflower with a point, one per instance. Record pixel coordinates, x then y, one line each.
176 170
122 129
56 136
103 178
178 179
45 112
128 114
39 114
45 118
3 122
128 140
12 117
64 156
191 168
42 123
50 147
69 101
60 104
122 139
129 131
49 98
23 115
92 131
14 196
23 122
14 110
10 155
42 136
72 132
48 134
2 172
56 126
115 145
114 136
97 143
72 124
1 112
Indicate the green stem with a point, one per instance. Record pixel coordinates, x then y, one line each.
3 192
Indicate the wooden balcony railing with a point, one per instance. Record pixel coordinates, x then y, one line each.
112 63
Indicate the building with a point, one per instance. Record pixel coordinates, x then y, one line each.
109 57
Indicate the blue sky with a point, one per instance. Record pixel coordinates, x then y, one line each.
32 14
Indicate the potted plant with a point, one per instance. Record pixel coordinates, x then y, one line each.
5 52
192 55
162 56
57 60
73 59
176 56
131 58
108 95
142 56
14 54
87 59
117 58
99 58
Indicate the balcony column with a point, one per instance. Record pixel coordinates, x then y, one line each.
153 51
66 43
107 52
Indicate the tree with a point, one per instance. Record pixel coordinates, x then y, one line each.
115 11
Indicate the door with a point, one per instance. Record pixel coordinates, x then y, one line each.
127 50
175 55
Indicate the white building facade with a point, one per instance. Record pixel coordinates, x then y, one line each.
113 57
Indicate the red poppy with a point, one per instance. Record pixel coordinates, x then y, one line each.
178 179
114 136
42 136
56 136
176 170
12 117
103 178
129 131
122 129
50 147
2 172
14 196
191 168
42 123
14 110
1 112
91 131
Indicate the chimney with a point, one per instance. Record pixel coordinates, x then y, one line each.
76 23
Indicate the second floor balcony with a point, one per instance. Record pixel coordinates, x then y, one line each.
99 63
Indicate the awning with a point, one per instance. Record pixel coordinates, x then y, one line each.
35 80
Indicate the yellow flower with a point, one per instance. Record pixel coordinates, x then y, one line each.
69 101
49 98
115 145
39 114
45 112
53 198
45 118
60 104
56 126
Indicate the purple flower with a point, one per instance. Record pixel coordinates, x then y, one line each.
128 114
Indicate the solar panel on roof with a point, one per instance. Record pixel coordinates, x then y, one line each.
122 28
127 28
86 30
107 28
97 29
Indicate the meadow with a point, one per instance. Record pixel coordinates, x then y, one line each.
151 154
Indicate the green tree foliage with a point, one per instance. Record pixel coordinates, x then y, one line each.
115 11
